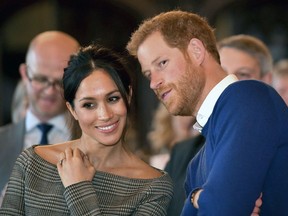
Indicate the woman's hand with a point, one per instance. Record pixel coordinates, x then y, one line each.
74 166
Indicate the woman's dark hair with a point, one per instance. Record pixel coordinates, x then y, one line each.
91 58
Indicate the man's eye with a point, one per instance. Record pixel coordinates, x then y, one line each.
58 83
163 63
41 79
242 76
148 76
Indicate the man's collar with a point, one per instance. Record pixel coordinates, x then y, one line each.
58 121
210 101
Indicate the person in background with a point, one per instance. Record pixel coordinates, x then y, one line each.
19 102
244 123
166 131
96 174
280 78
46 58
247 57
180 156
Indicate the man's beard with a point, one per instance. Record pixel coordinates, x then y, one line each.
187 93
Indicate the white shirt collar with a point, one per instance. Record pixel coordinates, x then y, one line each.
58 122
210 101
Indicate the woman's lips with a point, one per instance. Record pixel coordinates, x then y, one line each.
108 128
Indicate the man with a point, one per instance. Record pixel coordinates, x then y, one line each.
46 58
247 57
244 123
280 78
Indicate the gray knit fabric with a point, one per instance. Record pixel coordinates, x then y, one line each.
35 188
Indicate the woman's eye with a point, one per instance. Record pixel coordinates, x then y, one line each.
88 105
114 99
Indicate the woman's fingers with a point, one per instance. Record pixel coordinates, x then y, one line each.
78 153
68 153
62 157
86 161
71 154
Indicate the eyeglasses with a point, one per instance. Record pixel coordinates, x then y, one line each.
43 82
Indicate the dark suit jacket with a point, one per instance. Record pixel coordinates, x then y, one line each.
11 145
180 157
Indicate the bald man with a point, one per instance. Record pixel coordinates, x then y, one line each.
46 58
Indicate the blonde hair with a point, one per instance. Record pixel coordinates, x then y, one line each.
253 47
281 68
161 134
167 130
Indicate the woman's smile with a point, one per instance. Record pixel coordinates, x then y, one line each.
108 128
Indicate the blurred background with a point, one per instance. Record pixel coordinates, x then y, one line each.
110 22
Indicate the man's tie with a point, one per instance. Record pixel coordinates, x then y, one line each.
45 128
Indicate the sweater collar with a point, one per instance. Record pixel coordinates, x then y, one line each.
208 104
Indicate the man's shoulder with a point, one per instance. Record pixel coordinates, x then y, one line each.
7 127
12 132
248 93
248 86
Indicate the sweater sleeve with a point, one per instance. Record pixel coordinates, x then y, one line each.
242 137
157 198
81 199
13 202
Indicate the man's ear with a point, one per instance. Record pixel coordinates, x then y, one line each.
196 50
72 111
23 71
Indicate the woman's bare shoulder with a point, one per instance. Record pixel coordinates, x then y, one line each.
52 152
145 171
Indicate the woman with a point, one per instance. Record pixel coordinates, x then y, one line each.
95 174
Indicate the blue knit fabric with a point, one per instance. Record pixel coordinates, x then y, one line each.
246 153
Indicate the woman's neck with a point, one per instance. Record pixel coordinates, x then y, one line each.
102 156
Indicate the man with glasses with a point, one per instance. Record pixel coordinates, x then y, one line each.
45 121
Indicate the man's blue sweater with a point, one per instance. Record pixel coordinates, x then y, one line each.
245 154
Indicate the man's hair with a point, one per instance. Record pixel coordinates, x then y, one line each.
253 47
177 28
281 68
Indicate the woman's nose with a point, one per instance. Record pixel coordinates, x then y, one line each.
104 112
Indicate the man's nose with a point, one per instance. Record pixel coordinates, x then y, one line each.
155 81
